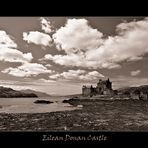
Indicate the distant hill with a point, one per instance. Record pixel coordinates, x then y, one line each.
39 94
6 92
142 88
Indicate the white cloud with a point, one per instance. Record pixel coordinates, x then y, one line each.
94 75
55 76
46 25
27 70
72 74
46 81
79 60
6 41
77 75
48 65
76 35
37 38
130 44
14 55
8 51
68 60
135 73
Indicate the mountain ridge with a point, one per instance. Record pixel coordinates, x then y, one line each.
141 88
38 93
6 92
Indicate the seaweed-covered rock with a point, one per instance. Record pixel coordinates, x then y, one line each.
70 100
42 102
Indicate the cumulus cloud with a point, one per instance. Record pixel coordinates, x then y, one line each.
72 74
27 70
94 75
46 25
86 47
135 73
77 75
9 51
37 38
14 55
55 76
6 41
76 35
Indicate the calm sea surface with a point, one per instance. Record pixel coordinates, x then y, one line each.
27 105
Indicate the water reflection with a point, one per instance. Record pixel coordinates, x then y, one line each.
26 105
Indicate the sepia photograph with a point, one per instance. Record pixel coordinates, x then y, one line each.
66 74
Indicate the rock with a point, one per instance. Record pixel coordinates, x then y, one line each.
43 102
71 100
65 101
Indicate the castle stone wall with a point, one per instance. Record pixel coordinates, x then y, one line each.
102 88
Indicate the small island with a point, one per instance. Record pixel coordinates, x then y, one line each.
43 102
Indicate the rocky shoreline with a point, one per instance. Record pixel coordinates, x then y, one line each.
119 115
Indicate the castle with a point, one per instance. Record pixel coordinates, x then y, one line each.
104 87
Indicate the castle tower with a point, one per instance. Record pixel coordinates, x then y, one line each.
104 87
108 84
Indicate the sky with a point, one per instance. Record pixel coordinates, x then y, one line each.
58 55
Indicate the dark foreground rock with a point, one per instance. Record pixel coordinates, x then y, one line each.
42 102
